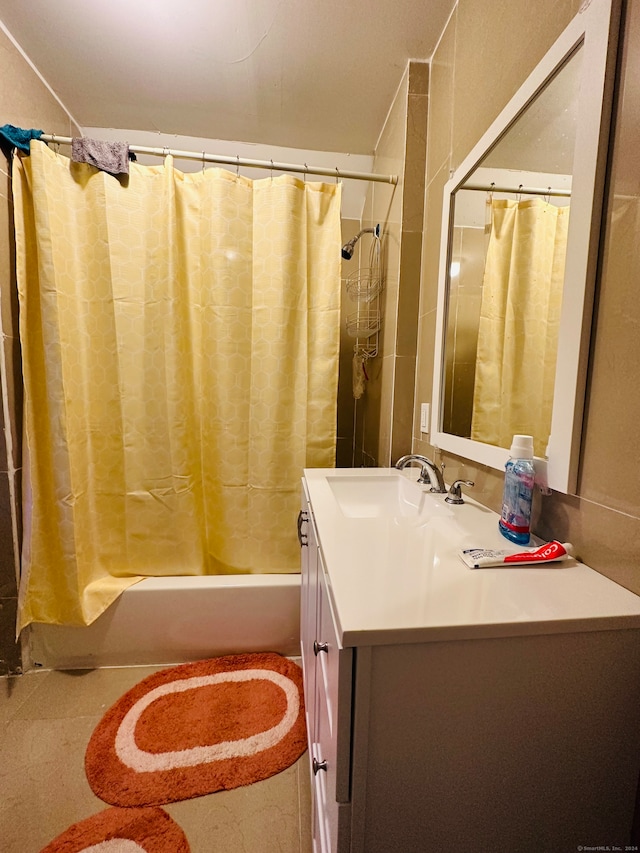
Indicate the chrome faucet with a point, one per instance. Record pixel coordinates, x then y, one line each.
430 474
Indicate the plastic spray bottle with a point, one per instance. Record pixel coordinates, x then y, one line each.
519 476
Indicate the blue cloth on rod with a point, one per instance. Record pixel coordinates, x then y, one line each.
18 137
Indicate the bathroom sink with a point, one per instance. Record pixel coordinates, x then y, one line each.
385 497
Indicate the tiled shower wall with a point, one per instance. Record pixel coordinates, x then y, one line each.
383 416
486 52
25 101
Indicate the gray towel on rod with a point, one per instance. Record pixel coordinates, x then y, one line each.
111 157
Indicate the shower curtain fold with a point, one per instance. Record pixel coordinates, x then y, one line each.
180 342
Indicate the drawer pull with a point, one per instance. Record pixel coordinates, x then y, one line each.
319 765
320 647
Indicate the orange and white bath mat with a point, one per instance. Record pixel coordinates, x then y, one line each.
122 830
198 728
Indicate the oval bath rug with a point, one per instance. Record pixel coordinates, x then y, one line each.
122 831
197 728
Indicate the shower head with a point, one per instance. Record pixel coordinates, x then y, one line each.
349 248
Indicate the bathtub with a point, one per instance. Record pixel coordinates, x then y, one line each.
179 619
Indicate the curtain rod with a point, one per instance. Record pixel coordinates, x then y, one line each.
242 161
524 190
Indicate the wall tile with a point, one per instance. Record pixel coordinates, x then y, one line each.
441 100
605 539
385 425
403 391
350 227
409 295
389 305
626 167
7 558
414 169
431 241
497 45
612 413
24 99
10 658
398 210
418 78
424 367
15 393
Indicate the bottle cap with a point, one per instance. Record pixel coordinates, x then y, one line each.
522 447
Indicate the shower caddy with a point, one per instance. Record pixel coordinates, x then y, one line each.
363 288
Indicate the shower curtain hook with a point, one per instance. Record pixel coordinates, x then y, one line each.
490 193
55 143
237 166
203 161
547 198
304 174
519 194
272 170
337 174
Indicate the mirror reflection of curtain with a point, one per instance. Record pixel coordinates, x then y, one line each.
180 346
519 320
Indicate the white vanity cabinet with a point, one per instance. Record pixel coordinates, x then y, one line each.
327 688
496 723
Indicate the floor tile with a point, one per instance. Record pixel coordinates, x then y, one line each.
15 690
259 818
81 692
43 782
46 721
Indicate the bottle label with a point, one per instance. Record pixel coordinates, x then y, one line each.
516 506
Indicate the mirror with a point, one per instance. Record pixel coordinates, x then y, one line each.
521 221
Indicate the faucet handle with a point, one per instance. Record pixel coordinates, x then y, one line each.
455 492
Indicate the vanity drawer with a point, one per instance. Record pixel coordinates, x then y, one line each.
333 691
328 657
323 764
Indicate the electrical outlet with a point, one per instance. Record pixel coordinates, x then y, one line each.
424 417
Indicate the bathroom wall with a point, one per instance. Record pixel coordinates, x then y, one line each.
25 101
485 53
384 413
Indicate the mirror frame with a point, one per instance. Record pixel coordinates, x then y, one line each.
595 28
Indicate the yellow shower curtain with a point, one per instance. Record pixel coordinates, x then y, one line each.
180 339
519 320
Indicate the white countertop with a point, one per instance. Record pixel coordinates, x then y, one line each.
399 580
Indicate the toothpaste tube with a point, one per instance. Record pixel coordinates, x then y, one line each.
550 552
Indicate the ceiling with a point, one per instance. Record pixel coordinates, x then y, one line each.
296 73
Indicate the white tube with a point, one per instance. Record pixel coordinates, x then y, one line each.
550 552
